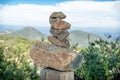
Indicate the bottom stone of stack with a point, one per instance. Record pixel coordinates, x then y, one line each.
51 74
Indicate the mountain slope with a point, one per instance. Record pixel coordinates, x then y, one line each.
29 33
6 32
81 38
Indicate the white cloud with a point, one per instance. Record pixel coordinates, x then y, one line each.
79 14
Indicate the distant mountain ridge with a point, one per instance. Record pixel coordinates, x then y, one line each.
82 38
6 32
76 37
29 33
114 32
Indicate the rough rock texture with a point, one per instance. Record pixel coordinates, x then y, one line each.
61 25
60 34
46 55
59 29
56 16
51 74
60 15
57 42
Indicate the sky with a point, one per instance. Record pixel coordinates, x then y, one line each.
80 13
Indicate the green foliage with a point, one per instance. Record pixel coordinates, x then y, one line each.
102 61
15 59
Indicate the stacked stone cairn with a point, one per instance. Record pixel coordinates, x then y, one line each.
57 60
59 29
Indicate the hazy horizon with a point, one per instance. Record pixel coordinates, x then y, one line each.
45 30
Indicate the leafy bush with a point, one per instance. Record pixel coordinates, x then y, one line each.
14 59
102 61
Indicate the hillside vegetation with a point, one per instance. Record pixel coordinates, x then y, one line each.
101 60
15 60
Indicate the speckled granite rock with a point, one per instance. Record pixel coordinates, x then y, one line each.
63 59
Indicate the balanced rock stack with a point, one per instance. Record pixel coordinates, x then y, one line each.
59 29
57 61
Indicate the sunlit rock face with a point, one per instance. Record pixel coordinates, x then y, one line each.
48 55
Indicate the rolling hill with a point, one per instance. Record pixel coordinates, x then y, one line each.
6 32
76 37
81 38
29 33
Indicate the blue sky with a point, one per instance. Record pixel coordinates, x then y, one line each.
43 2
80 13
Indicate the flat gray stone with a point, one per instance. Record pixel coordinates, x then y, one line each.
51 74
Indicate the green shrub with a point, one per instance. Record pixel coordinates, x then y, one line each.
102 61
14 60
